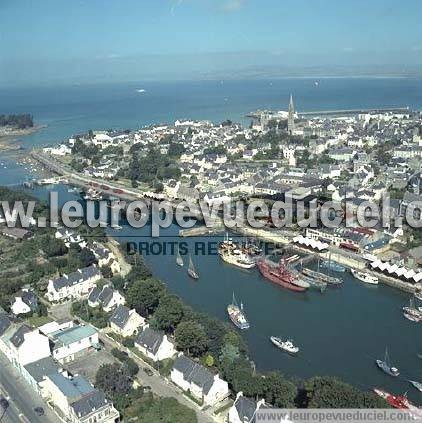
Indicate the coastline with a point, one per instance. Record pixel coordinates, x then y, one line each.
9 140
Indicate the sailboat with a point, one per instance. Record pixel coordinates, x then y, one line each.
386 367
191 269
411 312
179 260
417 385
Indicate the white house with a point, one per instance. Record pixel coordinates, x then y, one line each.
77 285
23 345
244 409
78 400
71 343
107 298
24 302
155 345
199 381
126 322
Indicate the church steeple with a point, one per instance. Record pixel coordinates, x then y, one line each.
291 118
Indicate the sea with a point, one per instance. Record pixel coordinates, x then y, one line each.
340 332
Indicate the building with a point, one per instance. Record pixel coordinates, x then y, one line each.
291 117
24 302
199 381
36 372
244 409
23 345
126 322
107 298
155 345
75 286
71 343
78 401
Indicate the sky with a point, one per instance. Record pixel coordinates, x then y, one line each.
45 41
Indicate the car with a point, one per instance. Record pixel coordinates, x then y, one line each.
4 403
147 388
39 411
148 371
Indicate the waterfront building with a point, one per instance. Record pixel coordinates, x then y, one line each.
199 381
126 322
107 298
155 344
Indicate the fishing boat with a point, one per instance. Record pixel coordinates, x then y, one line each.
396 401
191 269
365 277
232 253
237 314
386 367
287 345
412 318
331 265
417 385
418 295
279 275
117 227
179 259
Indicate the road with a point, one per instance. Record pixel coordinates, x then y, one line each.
22 398
158 384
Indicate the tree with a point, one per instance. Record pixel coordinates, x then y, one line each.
168 314
279 391
87 257
144 295
113 379
329 392
190 337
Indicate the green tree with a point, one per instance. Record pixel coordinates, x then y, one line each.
190 337
168 314
144 295
279 391
113 379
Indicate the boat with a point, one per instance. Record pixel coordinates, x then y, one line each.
411 312
332 265
417 385
321 277
179 259
396 401
279 275
365 277
232 253
418 295
117 227
386 367
237 315
287 345
191 269
412 318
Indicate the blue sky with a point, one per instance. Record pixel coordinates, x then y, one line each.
46 40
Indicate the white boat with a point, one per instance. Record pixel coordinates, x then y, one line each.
179 259
417 385
191 269
117 227
365 277
411 312
287 345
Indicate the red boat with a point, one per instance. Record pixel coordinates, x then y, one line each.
399 401
279 275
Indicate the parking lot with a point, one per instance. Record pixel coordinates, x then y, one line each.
89 364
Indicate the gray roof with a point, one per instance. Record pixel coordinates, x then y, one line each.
76 277
120 316
246 409
89 403
150 339
44 367
106 295
73 388
19 336
94 294
194 372
5 322
29 298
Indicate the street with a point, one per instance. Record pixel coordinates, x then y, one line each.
22 398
